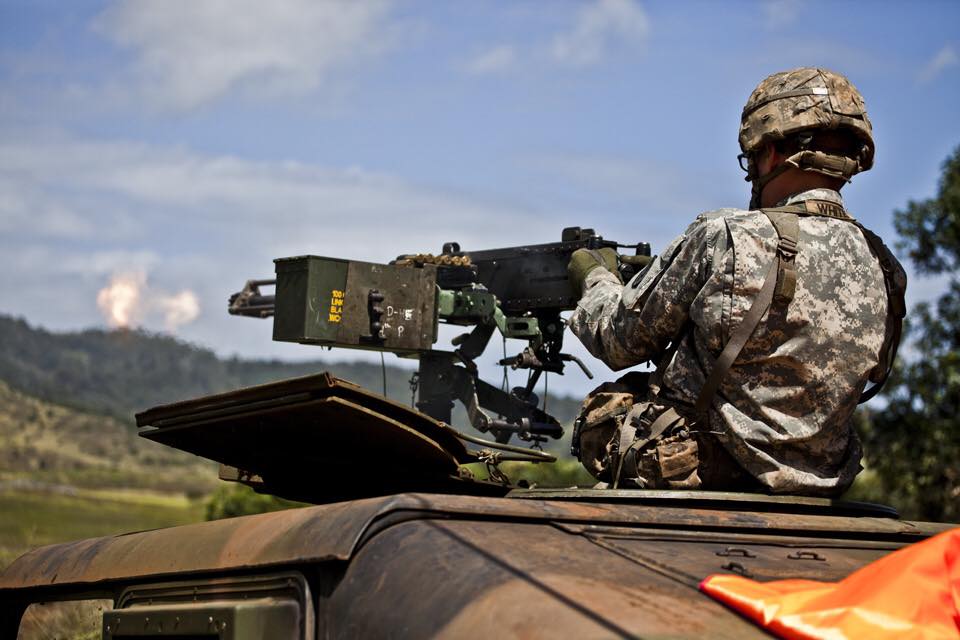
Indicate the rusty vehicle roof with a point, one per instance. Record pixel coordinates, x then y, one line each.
335 531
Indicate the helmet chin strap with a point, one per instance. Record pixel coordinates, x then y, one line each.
758 183
834 166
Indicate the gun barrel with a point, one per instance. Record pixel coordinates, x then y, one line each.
251 303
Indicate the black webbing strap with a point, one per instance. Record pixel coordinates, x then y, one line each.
896 308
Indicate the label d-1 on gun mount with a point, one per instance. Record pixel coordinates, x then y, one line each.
397 307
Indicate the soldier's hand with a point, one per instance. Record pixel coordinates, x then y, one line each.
583 261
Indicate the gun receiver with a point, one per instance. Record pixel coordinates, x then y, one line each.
519 292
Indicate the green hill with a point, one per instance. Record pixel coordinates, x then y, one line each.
121 372
43 444
118 373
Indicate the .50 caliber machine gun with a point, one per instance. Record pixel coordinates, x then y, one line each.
397 307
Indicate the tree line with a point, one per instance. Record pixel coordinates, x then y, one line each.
912 443
121 372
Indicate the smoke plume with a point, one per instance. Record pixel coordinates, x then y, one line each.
178 309
119 301
128 301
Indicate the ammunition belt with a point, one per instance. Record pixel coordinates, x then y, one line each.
444 259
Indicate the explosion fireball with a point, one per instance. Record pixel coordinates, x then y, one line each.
128 301
120 300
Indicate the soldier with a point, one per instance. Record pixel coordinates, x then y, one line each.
765 324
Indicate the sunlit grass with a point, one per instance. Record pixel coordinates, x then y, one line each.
32 519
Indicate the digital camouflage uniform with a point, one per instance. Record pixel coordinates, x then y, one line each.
783 410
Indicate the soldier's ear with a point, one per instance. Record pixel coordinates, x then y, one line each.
768 158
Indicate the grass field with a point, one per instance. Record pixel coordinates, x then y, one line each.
33 518
67 475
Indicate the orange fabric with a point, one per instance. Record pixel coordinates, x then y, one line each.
911 593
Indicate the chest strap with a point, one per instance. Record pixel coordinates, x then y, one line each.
780 284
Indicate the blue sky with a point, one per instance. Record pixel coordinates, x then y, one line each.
190 143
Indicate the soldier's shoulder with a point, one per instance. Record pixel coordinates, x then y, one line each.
714 221
723 212
752 221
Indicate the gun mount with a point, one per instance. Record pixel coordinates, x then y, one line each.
519 292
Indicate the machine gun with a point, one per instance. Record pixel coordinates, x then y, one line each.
397 307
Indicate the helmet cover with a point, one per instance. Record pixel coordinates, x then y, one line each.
807 99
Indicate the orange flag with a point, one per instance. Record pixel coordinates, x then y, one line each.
912 593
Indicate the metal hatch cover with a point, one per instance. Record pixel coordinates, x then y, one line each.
317 438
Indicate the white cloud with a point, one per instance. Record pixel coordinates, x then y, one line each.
207 223
287 205
23 207
497 59
66 267
780 13
947 57
598 26
192 53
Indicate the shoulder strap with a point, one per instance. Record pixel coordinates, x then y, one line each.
895 282
788 230
780 283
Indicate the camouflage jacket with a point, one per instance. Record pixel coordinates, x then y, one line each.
783 410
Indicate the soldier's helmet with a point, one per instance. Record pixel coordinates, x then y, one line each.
806 101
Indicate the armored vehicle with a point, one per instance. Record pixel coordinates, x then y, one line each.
404 541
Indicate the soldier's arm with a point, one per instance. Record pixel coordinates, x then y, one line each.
624 325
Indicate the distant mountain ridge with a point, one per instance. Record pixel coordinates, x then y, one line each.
121 372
